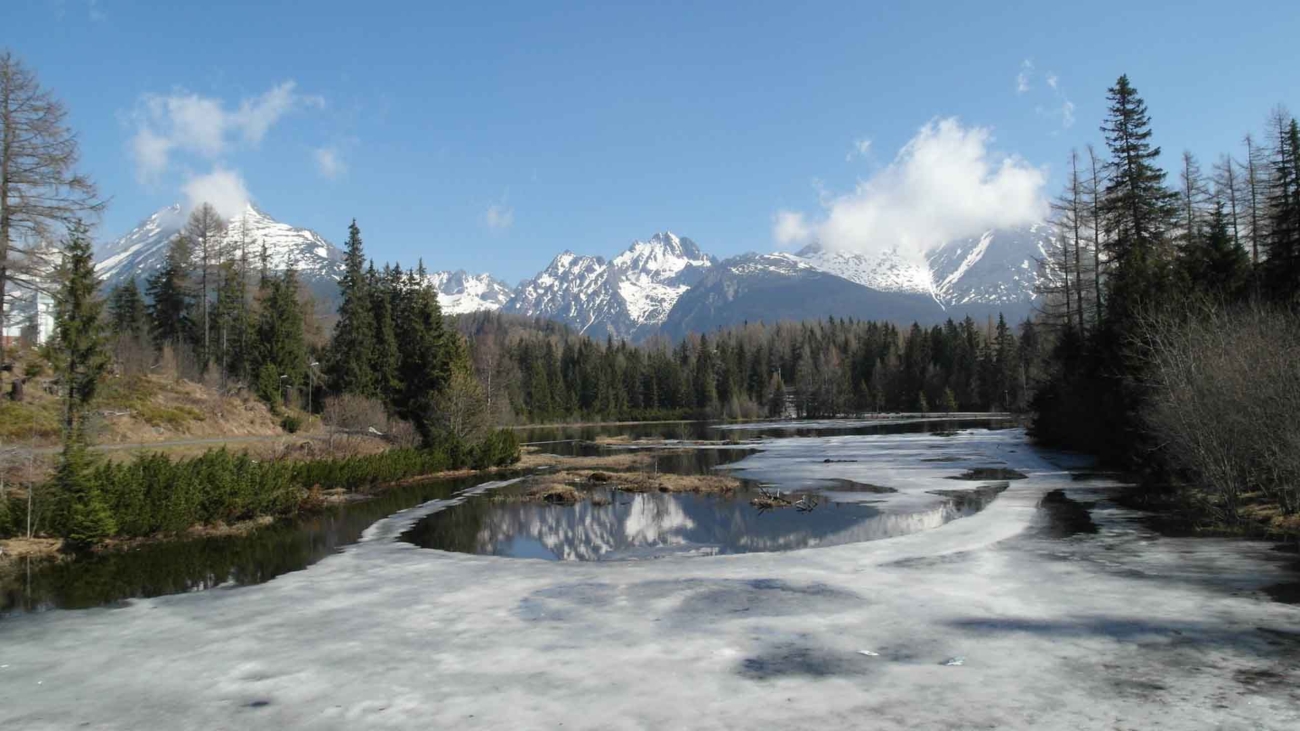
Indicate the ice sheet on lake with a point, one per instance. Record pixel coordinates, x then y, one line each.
1116 629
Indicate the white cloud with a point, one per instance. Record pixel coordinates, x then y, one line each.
789 228
1051 80
944 184
185 121
860 149
150 151
499 216
1022 78
223 188
1067 114
329 162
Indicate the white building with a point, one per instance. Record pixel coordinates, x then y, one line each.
29 317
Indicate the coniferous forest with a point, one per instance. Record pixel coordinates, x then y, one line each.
1166 339
1174 323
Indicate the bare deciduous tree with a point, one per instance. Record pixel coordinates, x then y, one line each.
206 229
40 191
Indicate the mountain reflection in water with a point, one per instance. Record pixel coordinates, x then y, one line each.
621 526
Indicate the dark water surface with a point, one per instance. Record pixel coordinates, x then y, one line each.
291 545
617 525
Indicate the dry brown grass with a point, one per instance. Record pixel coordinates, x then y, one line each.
533 459
12 549
565 487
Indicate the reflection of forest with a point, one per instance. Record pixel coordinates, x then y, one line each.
173 567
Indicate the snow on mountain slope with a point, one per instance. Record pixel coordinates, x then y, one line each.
627 297
142 251
998 267
653 274
888 272
459 292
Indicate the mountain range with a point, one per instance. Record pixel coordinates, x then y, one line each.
666 284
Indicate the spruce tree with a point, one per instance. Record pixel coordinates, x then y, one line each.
349 364
1136 207
425 367
282 348
231 323
128 324
170 297
81 360
384 356
1215 265
1282 266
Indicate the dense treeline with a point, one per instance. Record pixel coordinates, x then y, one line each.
1172 310
153 494
812 369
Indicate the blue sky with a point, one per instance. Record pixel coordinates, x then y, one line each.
493 135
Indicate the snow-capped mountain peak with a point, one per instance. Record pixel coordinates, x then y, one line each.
460 292
142 251
887 271
627 296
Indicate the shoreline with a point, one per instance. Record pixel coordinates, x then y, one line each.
44 548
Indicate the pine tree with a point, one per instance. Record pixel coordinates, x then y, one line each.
82 352
87 519
1282 267
127 313
231 323
170 296
385 360
349 363
425 365
129 326
1136 207
81 360
1215 264
282 349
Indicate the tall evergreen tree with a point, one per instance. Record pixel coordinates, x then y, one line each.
231 323
385 359
128 316
81 360
1136 206
425 352
170 296
1282 267
349 364
81 347
128 323
1214 264
282 349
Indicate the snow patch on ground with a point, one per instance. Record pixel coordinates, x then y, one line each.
1117 629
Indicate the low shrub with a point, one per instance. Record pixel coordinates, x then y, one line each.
291 423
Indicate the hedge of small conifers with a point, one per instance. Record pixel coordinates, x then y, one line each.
153 494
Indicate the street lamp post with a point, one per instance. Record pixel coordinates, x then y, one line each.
284 382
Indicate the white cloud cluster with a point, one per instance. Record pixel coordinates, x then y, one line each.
224 189
203 126
945 183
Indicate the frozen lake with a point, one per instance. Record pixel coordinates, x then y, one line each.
1050 608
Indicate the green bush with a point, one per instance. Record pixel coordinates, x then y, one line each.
152 494
291 423
499 449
